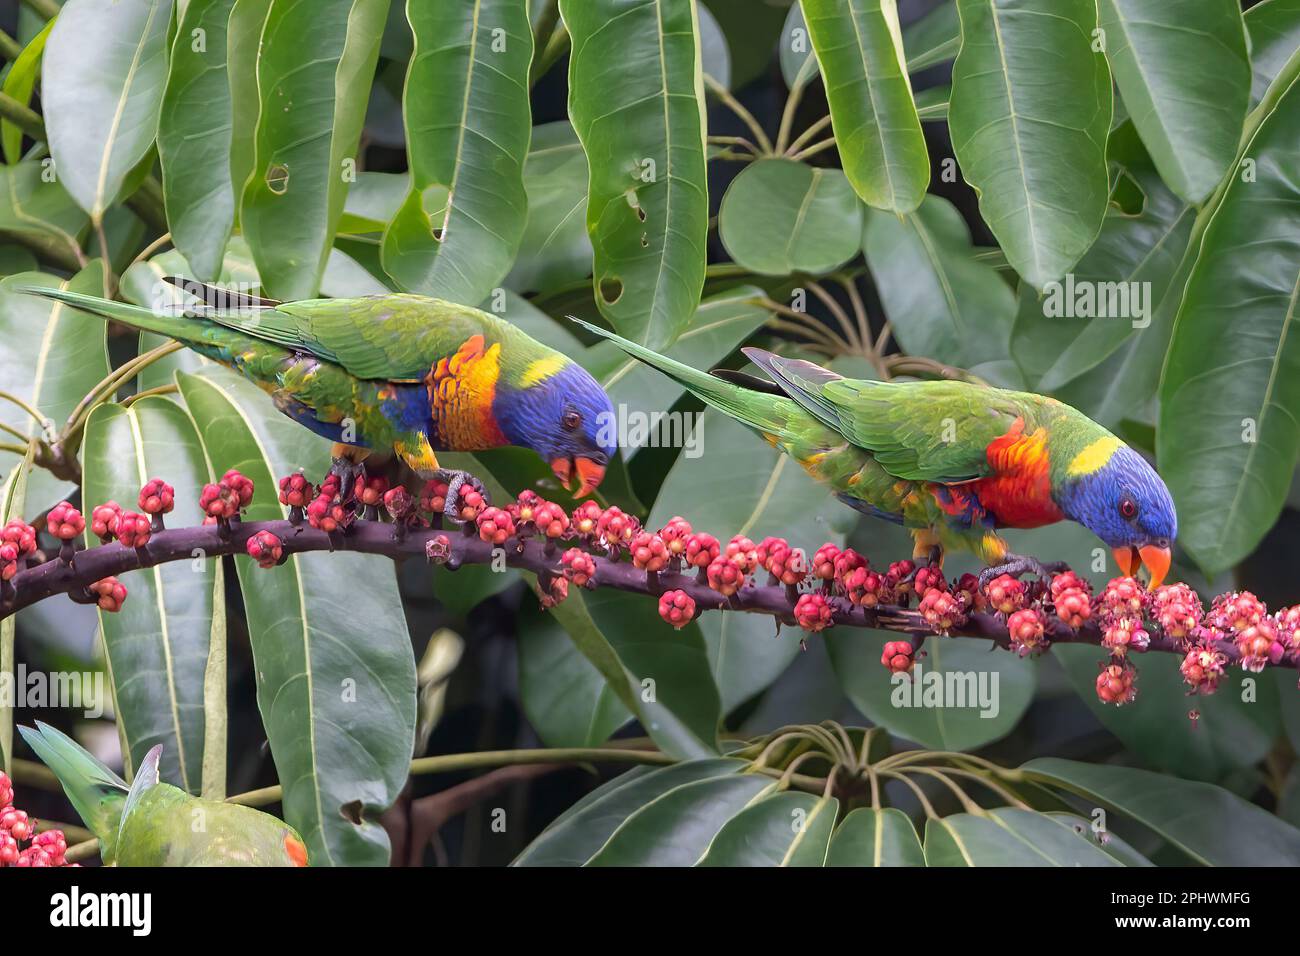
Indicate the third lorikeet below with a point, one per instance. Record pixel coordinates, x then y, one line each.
405 372
151 823
952 461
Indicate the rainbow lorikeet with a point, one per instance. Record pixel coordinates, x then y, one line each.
952 461
151 823
405 372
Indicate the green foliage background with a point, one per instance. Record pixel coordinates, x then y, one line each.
891 189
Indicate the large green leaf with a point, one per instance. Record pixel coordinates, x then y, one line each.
194 131
373 201
1009 837
795 49
678 828
877 131
19 83
783 829
902 706
779 216
555 250
101 85
1032 140
1229 433
467 129
1183 71
872 836
661 675
13 494
1133 256
243 44
933 38
335 672
50 356
314 68
33 202
722 322
1273 27
580 832
942 302
564 696
170 635
636 100
523 315
1209 824
740 485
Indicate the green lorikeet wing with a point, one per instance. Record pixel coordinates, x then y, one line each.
390 337
918 431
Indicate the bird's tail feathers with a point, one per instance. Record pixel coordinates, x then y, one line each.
95 791
178 324
759 409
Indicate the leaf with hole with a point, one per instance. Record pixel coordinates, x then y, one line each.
313 69
467 129
194 130
636 99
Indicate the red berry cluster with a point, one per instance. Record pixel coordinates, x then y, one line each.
813 612
369 490
898 656
265 548
65 522
157 497
495 526
47 848
296 491
579 567
132 529
17 541
677 608
615 529
109 594
103 520
223 500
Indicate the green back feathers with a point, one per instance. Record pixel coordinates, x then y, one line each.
395 337
919 431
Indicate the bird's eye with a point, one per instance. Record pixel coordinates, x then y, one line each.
1128 508
572 419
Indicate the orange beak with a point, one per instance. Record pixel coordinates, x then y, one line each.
1156 559
590 473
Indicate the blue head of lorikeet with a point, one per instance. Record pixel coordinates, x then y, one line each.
1126 504
566 418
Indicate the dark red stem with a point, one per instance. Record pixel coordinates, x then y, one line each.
531 554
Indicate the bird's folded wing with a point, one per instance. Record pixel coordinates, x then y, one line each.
925 431
390 337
